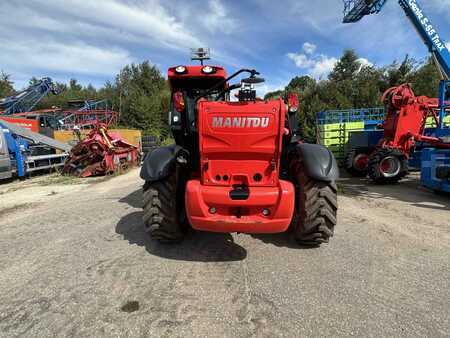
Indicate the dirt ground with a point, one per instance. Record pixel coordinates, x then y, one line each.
75 261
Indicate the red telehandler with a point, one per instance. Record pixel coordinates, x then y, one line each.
236 166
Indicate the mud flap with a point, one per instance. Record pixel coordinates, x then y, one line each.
319 162
159 162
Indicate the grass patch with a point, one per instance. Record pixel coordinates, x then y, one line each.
58 179
9 190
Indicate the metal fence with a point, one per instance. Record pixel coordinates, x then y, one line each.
334 126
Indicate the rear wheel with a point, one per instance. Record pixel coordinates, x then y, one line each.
164 212
316 209
387 166
356 162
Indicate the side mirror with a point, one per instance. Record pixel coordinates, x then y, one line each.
253 80
292 103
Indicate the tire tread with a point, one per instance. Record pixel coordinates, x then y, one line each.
316 211
160 220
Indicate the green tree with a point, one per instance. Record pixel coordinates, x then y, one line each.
74 86
346 67
139 92
397 74
300 83
143 98
425 79
274 95
6 85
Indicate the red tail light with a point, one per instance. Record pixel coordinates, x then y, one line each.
178 100
293 102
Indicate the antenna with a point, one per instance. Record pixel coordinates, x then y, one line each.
200 54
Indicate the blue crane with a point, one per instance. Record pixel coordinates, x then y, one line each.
27 99
355 10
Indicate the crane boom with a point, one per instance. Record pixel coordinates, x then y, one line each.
355 10
27 99
429 35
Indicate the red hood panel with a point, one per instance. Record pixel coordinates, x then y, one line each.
240 142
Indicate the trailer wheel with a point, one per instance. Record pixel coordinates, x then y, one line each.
387 166
356 162
316 209
164 212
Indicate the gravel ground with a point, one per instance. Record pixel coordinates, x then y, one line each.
75 261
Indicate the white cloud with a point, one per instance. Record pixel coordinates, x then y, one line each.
304 59
147 22
309 48
448 46
90 39
152 28
217 18
263 89
364 62
318 65
323 66
74 58
301 60
315 65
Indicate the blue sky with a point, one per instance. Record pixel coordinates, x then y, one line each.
92 40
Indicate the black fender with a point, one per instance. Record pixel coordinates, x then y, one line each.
319 162
159 163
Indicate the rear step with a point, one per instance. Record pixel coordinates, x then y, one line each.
240 193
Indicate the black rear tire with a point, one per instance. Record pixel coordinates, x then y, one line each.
316 209
349 163
164 212
376 172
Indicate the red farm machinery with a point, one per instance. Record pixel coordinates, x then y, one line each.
101 153
236 166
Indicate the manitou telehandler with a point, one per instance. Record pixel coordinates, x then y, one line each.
237 166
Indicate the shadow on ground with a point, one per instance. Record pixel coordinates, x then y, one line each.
134 199
197 246
282 240
216 247
408 190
